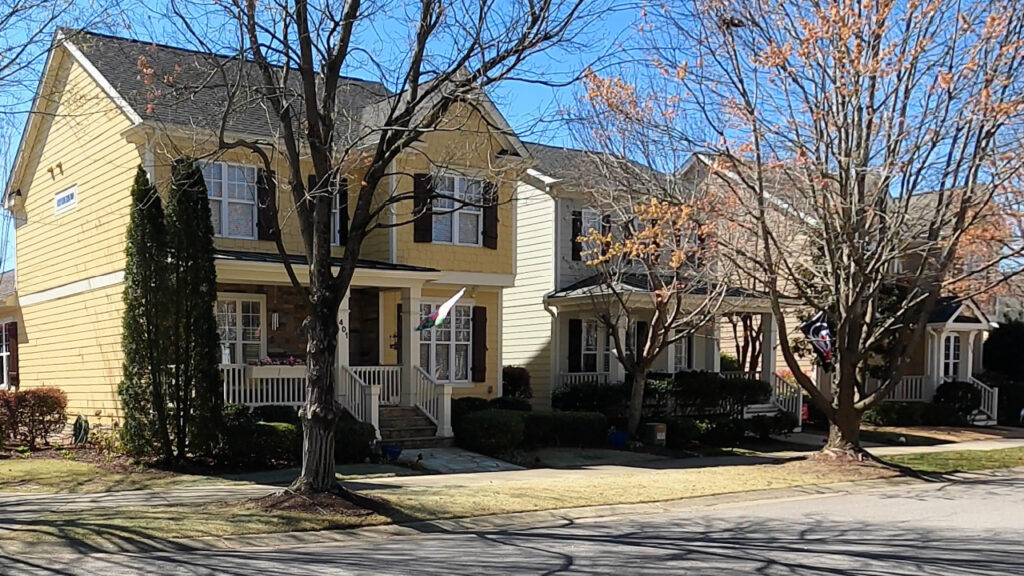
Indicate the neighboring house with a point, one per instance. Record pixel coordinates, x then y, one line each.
97 117
10 319
550 323
953 344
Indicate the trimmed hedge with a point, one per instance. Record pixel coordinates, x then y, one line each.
277 443
462 407
507 403
491 432
515 382
34 414
286 414
895 414
681 432
962 397
575 429
608 399
353 441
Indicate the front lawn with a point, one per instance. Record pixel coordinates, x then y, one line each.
961 461
61 475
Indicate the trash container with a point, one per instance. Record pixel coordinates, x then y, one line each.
654 434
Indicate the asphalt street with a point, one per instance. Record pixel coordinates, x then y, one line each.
971 527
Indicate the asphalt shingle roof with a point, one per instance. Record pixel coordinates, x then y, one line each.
176 86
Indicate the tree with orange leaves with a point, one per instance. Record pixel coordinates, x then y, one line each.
863 146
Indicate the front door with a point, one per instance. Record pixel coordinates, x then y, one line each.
364 327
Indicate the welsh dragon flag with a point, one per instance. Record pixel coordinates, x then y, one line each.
439 315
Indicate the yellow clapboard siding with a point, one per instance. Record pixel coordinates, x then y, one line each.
59 349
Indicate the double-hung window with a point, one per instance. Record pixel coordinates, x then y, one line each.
951 356
680 354
445 349
232 192
457 209
589 349
240 322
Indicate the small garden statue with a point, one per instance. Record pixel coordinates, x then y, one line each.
80 431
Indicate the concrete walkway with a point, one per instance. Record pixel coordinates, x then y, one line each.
453 461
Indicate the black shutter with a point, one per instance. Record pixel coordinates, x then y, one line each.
12 360
491 215
479 344
575 345
689 352
577 231
342 192
266 219
641 339
422 210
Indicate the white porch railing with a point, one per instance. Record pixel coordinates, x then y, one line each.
359 398
573 378
989 398
909 389
736 374
389 378
789 397
264 385
435 399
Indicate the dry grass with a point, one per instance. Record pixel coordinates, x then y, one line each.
463 496
168 522
60 475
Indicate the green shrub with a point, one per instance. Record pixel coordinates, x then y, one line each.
276 443
1002 351
680 432
286 414
710 393
515 382
507 403
462 407
895 414
574 429
961 396
764 426
1011 402
608 399
728 363
237 436
935 414
720 431
491 431
353 441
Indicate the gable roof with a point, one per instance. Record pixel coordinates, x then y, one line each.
168 86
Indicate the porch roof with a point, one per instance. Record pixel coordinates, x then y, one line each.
951 311
734 299
300 260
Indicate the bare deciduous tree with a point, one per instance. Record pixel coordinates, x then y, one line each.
430 58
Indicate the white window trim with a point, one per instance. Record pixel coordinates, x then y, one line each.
468 382
5 357
684 343
596 352
952 361
239 297
73 191
225 201
454 213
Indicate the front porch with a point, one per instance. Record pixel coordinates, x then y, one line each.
378 359
951 351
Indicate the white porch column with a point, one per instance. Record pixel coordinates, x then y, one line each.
341 355
616 371
967 360
410 342
712 356
768 335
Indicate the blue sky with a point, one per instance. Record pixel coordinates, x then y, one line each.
532 109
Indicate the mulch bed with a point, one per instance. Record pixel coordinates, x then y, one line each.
323 504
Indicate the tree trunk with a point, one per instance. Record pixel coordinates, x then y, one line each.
844 429
320 413
636 402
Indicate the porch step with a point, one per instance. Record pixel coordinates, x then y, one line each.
421 442
760 410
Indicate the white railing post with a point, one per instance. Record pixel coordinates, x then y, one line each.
371 409
767 347
410 344
444 412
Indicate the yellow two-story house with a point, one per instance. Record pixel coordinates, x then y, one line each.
107 105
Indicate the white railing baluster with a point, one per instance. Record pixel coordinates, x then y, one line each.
574 378
989 398
434 398
389 378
